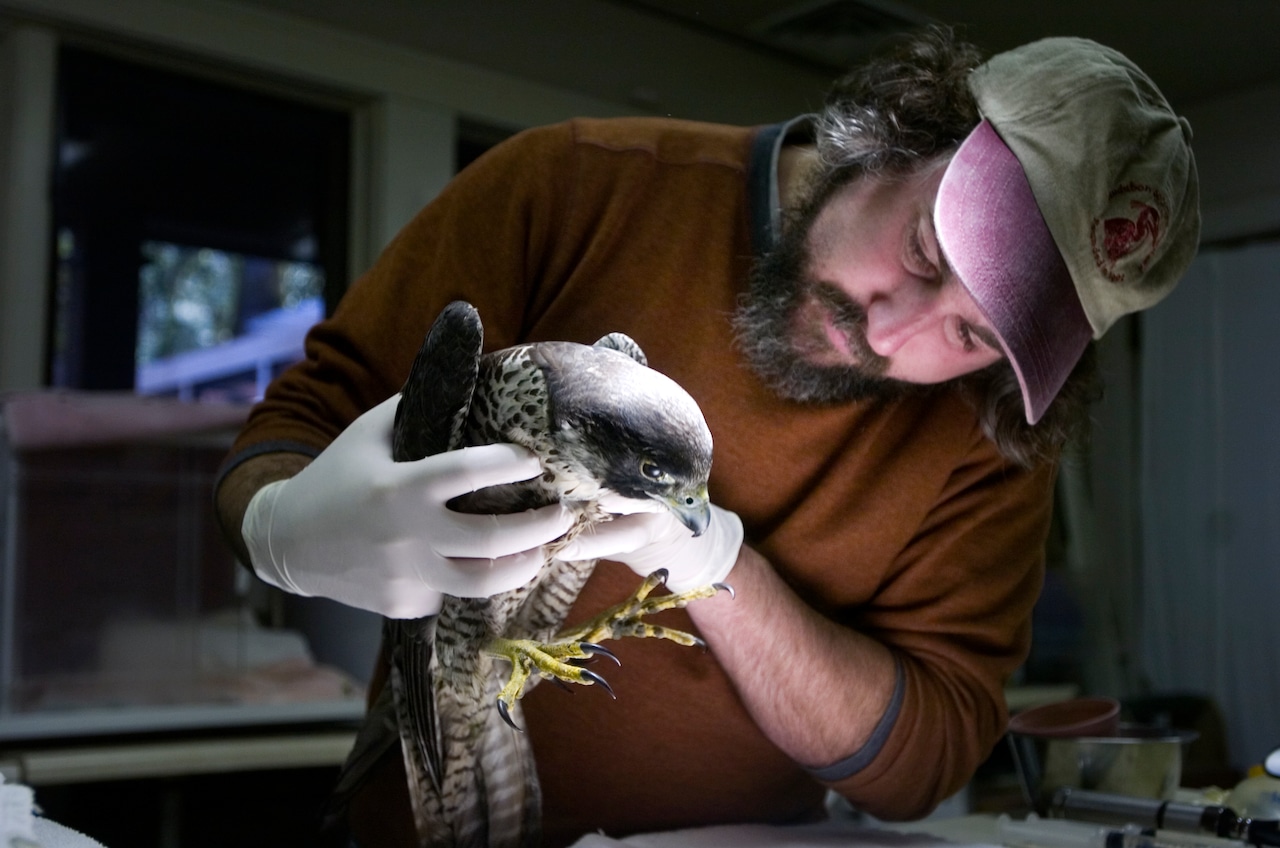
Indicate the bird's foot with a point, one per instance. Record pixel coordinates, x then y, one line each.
561 660
627 619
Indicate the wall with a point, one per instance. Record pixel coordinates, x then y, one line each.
1211 478
26 120
406 103
1236 151
614 51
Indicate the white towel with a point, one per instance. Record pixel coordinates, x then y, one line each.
20 827
17 816
50 834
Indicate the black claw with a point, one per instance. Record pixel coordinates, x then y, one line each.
599 681
725 587
506 716
593 649
662 574
700 643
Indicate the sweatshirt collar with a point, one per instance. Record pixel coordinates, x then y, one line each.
762 178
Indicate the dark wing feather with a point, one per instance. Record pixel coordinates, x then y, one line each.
437 393
433 405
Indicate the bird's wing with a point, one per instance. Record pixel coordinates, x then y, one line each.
433 406
623 343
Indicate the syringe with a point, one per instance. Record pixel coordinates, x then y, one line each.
1212 819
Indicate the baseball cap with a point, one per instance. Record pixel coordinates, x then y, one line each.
1074 202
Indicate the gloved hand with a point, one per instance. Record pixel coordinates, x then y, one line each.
359 528
649 537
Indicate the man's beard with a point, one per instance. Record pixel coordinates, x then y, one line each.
781 351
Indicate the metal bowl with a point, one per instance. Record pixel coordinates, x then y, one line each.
1137 760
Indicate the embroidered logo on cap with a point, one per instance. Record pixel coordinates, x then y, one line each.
1126 237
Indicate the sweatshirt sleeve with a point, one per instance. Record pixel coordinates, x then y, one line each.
956 611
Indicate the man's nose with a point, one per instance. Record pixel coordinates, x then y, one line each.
897 316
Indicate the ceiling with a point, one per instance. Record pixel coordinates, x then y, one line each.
765 59
1193 49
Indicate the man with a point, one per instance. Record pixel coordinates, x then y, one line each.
884 312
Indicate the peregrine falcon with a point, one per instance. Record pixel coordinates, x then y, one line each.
601 423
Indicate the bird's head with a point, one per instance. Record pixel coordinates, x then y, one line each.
635 431
688 501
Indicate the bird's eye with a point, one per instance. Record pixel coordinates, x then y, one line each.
650 469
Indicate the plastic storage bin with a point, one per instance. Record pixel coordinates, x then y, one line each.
120 606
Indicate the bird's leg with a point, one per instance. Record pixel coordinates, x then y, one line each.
562 658
627 618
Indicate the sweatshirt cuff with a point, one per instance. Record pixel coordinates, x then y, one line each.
859 759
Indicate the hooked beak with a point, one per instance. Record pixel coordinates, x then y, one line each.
693 509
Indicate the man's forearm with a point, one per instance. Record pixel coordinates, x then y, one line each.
242 483
815 688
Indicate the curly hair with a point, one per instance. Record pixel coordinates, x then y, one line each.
905 108
902 107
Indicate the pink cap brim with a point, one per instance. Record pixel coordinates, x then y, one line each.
998 244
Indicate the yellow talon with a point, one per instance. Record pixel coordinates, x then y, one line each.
560 658
626 619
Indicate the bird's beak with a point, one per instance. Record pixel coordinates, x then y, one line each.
693 509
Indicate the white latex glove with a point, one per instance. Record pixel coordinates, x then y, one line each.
359 528
647 537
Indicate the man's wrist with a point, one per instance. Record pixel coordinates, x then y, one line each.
255 530
242 483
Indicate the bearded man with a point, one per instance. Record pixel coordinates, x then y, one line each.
885 311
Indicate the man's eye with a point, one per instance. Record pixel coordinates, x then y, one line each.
918 262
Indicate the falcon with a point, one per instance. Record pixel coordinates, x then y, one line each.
601 423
